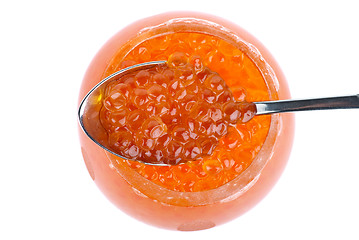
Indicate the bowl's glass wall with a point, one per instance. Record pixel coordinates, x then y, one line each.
162 207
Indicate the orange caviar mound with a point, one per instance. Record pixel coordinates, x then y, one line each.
170 114
144 119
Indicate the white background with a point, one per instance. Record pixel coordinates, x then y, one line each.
45 48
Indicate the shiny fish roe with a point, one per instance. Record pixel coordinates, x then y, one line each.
171 114
234 147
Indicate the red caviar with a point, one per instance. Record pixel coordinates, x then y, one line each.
170 120
186 111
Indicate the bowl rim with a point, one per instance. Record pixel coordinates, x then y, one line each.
244 181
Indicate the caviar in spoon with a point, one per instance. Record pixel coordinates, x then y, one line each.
170 114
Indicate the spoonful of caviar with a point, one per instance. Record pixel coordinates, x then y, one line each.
175 111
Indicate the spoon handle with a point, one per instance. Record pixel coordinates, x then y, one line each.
343 102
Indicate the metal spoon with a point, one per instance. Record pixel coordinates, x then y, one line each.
89 109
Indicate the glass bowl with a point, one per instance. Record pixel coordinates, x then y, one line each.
188 211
